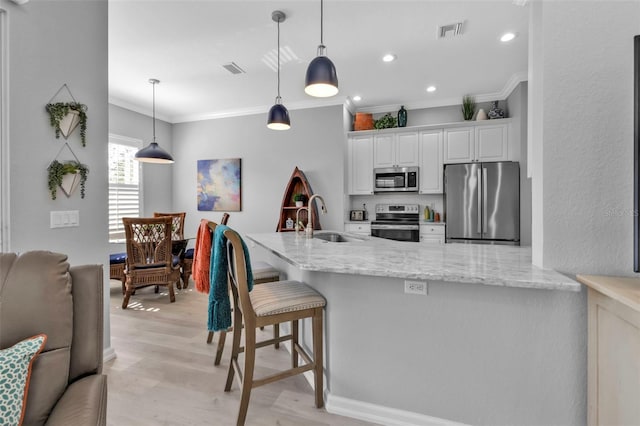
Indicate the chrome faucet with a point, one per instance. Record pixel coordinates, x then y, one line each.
309 229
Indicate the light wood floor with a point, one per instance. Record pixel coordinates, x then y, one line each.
164 372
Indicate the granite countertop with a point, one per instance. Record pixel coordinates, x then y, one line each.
498 265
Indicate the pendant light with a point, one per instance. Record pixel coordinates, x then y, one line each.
322 79
153 153
278 114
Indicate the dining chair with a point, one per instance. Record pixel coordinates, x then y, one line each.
267 304
179 244
149 258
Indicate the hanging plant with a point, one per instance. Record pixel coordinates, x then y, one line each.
65 116
57 172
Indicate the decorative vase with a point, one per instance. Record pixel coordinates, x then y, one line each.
363 121
495 112
481 115
402 117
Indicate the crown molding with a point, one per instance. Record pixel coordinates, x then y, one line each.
136 108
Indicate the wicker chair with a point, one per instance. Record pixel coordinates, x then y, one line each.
149 258
177 236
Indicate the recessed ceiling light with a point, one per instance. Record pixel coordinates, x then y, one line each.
507 37
431 89
357 98
389 57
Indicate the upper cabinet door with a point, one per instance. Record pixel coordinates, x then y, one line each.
431 162
492 143
384 150
407 149
459 145
360 165
396 149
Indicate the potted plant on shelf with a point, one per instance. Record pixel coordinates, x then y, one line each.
387 121
468 107
299 199
67 175
65 117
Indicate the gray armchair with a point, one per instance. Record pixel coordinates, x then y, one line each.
41 293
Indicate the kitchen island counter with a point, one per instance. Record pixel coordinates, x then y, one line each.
499 265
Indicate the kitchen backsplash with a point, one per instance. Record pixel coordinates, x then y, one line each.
356 201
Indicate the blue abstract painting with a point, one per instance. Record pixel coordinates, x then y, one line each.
219 185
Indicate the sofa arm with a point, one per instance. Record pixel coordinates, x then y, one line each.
84 403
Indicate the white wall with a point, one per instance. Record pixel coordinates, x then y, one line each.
40 62
315 144
587 139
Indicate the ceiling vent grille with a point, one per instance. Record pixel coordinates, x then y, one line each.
451 30
233 68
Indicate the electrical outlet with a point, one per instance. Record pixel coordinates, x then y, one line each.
415 287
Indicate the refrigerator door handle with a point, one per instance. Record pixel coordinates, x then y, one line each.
479 201
484 199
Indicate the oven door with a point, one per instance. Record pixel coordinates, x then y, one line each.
396 231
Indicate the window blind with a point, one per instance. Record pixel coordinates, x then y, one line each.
124 188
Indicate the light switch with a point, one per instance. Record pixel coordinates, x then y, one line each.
64 219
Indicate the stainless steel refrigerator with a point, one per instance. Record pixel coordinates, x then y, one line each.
482 203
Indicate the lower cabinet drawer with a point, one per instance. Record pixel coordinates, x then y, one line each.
358 228
431 229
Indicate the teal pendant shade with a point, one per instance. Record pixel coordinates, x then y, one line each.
322 79
153 153
278 117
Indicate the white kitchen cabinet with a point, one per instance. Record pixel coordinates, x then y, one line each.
396 149
431 162
360 152
492 143
432 233
477 143
358 228
459 145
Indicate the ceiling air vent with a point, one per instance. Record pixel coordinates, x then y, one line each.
449 31
233 68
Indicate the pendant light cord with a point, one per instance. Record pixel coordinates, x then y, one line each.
321 22
154 111
278 60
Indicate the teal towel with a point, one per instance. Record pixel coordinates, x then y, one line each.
219 303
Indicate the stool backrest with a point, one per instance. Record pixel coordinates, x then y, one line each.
237 271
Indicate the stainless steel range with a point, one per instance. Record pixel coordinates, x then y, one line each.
397 222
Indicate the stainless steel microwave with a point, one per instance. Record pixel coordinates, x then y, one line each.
395 179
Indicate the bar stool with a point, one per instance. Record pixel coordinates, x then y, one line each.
267 304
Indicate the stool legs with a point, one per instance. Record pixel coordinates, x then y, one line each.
294 342
317 357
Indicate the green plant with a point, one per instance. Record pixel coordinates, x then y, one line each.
57 170
299 197
468 107
57 111
387 121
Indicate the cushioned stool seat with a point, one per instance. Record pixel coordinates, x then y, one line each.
284 296
263 272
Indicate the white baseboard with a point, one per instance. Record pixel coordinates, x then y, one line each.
371 412
381 414
108 354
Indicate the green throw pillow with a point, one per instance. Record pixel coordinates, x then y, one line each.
15 372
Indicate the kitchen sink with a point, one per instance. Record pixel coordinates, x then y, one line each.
335 237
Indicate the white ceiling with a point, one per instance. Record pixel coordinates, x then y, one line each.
185 43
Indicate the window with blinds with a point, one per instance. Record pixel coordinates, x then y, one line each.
125 198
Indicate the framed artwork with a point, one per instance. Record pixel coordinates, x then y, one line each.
219 185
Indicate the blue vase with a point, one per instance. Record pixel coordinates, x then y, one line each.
402 117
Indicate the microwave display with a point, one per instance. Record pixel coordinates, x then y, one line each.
403 179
